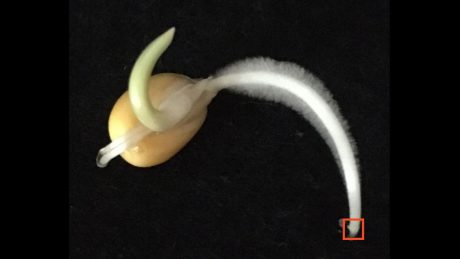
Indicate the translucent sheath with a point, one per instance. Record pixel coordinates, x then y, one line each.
119 145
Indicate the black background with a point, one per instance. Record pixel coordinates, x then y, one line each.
257 181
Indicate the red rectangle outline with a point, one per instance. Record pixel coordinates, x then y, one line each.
343 229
